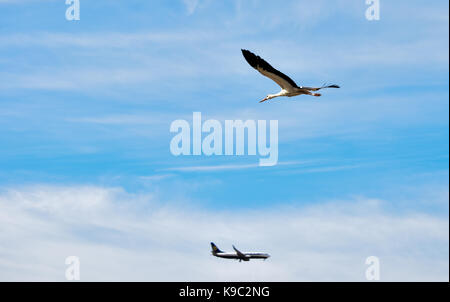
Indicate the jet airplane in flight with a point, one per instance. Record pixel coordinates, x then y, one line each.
238 255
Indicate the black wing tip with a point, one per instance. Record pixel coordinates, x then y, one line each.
247 53
250 57
257 62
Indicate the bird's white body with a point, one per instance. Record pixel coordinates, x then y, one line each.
293 92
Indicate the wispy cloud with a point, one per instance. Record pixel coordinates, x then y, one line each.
156 177
212 168
103 39
24 1
203 48
124 119
42 225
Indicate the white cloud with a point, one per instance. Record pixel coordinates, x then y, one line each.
124 236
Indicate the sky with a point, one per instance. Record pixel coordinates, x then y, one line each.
85 162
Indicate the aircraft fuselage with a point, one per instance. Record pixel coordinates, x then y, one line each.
238 255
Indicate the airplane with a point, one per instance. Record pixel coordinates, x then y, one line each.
238 255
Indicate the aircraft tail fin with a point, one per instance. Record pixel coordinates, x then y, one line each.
215 249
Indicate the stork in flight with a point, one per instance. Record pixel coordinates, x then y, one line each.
288 86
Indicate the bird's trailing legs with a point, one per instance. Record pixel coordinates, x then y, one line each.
318 88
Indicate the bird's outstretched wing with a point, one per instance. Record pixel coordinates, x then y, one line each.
267 70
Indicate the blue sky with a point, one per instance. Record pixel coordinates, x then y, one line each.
87 106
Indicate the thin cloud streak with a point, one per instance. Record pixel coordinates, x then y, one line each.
213 168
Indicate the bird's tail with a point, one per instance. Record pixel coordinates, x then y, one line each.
322 87
329 86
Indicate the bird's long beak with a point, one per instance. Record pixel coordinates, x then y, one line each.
263 100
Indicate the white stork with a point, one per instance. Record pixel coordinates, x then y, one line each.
288 86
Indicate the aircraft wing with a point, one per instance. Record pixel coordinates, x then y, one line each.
239 253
